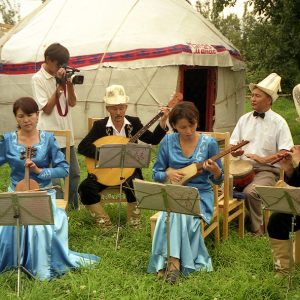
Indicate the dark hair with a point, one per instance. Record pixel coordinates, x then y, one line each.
26 104
57 52
184 110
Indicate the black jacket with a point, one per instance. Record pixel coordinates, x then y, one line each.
99 130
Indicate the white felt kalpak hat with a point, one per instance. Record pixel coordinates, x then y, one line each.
296 96
270 85
114 95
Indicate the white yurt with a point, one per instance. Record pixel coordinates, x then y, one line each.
151 47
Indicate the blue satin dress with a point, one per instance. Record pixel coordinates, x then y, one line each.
45 251
186 241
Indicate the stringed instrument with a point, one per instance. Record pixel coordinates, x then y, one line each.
111 176
27 183
195 169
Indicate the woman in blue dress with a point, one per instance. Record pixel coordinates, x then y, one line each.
45 252
177 150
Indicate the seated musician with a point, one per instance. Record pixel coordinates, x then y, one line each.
180 149
280 224
45 253
117 124
268 134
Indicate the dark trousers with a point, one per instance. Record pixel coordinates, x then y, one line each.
90 188
280 225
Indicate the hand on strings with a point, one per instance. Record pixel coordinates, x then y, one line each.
32 166
175 175
213 168
164 118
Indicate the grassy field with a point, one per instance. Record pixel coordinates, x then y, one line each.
243 268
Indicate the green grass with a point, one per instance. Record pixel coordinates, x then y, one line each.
243 268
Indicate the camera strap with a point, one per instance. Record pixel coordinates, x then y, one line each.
58 103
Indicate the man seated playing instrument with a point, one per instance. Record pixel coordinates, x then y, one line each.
268 134
117 124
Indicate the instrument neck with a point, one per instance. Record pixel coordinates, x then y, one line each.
223 153
145 128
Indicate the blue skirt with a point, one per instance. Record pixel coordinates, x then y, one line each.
186 244
44 248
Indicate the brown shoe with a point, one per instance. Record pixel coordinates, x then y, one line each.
133 215
260 232
99 214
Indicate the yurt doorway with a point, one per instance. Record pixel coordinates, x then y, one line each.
198 85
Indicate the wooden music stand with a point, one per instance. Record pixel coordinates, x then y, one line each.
285 200
169 198
130 155
21 209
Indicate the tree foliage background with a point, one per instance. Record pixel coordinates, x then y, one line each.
268 36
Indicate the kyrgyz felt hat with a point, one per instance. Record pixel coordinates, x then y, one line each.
114 95
270 85
296 96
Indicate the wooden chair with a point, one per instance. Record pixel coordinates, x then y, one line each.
214 226
110 194
63 203
230 207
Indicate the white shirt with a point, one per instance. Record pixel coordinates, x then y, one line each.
266 136
43 87
115 131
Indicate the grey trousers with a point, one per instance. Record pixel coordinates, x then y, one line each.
74 174
253 201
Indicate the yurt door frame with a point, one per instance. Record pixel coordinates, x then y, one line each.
198 84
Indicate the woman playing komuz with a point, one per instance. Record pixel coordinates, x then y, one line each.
45 252
177 150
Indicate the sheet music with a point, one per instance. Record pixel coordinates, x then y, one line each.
180 199
34 208
129 155
280 199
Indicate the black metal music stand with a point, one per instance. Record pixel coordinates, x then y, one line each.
130 155
284 200
21 209
169 198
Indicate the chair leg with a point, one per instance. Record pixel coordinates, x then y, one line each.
225 225
297 247
217 235
242 222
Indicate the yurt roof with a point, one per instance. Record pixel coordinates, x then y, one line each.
117 33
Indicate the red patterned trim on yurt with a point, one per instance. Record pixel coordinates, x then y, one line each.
92 59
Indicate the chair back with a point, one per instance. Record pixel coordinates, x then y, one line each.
63 203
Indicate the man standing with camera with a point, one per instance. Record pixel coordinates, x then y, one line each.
54 93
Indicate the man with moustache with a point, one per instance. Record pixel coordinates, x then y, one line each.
117 124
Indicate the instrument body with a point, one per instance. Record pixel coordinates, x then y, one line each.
109 176
112 176
195 169
27 183
242 172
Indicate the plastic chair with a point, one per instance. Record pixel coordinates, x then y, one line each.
63 203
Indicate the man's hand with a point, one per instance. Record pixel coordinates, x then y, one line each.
237 152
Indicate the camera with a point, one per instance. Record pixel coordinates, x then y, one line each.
75 79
